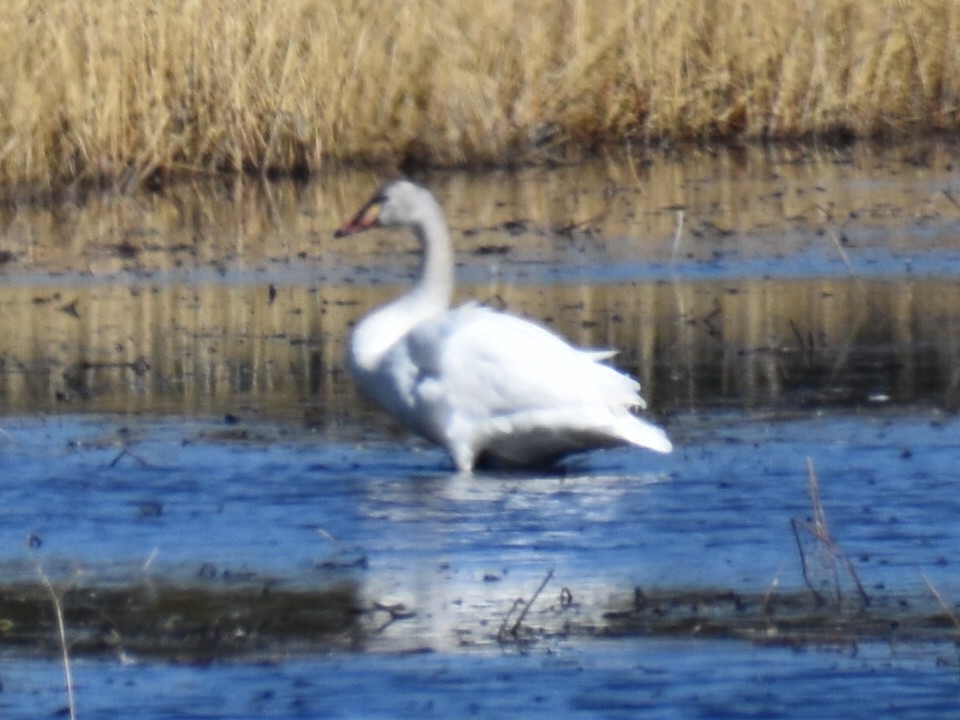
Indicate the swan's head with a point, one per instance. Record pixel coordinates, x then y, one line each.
399 203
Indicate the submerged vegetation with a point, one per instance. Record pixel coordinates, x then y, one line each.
125 92
180 622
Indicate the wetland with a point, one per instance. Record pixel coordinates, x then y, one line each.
231 531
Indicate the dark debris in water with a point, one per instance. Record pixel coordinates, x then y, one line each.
794 618
206 621
184 623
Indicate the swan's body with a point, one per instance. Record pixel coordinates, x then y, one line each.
483 384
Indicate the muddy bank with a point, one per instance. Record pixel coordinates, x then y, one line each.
738 204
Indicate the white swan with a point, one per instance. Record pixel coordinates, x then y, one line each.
485 385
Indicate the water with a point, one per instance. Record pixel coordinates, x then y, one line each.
626 679
232 533
178 500
456 552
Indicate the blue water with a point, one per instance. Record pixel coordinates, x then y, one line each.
623 679
168 499
716 512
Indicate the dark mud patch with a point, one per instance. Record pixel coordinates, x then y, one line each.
198 623
178 622
795 619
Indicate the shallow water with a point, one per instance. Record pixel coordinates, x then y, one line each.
234 533
626 679
176 502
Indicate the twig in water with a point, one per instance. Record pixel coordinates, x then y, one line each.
61 625
806 348
329 537
126 453
515 629
843 254
150 558
819 517
943 603
768 595
949 195
839 245
633 169
677 237
795 525
502 632
821 532
395 612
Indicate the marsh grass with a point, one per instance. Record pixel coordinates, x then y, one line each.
128 92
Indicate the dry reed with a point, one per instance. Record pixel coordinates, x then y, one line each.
122 92
833 559
34 542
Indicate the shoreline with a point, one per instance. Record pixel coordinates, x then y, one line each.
110 94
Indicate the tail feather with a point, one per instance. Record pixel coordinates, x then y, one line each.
644 434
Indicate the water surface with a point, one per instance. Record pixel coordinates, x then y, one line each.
232 531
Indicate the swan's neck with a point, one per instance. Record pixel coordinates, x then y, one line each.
434 288
430 296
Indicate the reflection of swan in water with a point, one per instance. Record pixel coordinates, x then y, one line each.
485 385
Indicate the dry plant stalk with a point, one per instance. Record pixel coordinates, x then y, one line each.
32 542
514 630
119 92
825 541
62 628
944 605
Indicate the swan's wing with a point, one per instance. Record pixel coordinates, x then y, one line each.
485 375
498 363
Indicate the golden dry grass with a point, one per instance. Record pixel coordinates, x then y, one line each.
116 90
